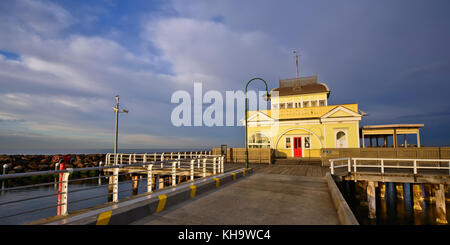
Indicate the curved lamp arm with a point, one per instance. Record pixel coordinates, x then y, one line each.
246 131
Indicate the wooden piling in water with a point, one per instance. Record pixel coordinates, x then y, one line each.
429 195
135 184
371 199
363 188
382 187
439 191
417 197
161 182
399 191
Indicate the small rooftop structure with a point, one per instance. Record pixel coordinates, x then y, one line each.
384 131
302 85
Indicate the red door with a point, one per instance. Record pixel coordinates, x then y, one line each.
297 146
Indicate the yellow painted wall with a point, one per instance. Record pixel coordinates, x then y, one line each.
321 135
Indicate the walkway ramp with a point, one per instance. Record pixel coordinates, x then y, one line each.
260 199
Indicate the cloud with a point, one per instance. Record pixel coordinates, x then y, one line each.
210 52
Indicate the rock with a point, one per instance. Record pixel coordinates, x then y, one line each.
79 165
33 166
18 168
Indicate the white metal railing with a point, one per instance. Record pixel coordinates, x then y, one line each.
129 158
201 166
353 163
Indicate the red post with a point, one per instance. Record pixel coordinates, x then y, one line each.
63 160
62 166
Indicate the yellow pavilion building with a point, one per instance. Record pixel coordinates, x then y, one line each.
301 122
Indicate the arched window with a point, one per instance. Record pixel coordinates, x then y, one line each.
258 140
341 139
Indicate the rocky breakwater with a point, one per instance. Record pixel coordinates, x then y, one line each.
32 163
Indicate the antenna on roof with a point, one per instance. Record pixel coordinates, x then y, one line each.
296 61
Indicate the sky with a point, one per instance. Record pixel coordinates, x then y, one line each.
62 63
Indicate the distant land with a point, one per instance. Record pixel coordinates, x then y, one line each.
97 151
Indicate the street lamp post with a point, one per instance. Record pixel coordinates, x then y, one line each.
246 109
117 111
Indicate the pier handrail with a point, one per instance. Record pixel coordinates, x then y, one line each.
122 158
381 164
198 166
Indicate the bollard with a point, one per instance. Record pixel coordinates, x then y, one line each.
174 173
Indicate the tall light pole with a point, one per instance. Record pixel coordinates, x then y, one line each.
246 109
117 111
296 62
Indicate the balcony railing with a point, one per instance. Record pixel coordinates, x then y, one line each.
304 112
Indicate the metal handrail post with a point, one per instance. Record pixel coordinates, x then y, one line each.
332 166
115 178
174 173
204 167
192 170
64 194
349 168
149 178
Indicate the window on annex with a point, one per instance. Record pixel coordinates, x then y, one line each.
305 103
307 140
288 143
258 140
321 102
290 105
341 139
282 106
314 103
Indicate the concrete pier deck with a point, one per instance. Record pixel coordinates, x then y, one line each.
292 195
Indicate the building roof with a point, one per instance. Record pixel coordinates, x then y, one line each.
294 82
390 126
306 89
